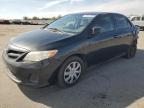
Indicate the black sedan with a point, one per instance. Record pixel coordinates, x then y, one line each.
64 49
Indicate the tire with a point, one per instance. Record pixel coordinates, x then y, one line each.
68 75
131 51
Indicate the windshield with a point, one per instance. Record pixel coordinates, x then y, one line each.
71 23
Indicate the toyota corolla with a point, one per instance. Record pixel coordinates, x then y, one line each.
62 50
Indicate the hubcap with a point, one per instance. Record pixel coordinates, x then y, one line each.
72 72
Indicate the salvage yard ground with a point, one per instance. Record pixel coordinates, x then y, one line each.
116 84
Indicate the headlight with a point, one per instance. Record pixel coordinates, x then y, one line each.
40 55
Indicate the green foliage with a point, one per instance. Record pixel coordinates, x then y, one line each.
43 18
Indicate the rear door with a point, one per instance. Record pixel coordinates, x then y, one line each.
124 33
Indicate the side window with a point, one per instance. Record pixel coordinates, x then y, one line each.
122 22
105 22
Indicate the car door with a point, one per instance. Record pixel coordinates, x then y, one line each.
102 45
124 33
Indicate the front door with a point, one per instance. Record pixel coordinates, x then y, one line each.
102 45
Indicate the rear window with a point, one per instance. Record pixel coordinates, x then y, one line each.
122 22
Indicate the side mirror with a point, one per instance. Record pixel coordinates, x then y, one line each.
96 30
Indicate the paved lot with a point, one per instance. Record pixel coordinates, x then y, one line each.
117 84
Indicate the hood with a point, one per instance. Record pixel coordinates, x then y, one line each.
38 39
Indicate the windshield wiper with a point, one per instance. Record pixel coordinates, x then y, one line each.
56 29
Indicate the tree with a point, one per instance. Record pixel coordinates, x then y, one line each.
45 18
59 16
25 18
53 18
35 18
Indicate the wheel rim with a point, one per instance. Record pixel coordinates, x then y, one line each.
72 72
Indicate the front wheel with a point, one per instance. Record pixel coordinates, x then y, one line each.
70 71
131 51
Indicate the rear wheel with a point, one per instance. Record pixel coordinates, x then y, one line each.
70 71
131 51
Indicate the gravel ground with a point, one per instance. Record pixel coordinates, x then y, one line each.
116 84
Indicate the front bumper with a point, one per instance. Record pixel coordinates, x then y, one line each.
33 74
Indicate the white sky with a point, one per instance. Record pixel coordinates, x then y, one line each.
15 9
